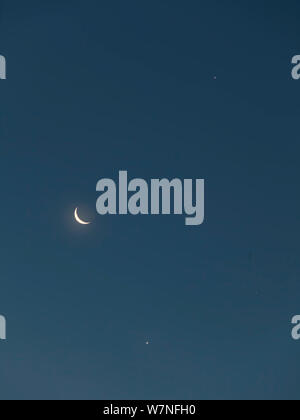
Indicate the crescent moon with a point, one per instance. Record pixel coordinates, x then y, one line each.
77 218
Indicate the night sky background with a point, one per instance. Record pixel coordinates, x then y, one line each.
95 87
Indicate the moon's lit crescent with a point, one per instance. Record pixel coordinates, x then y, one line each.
77 218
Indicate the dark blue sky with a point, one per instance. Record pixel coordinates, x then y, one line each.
95 87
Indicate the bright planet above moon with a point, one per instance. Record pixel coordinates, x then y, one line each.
78 219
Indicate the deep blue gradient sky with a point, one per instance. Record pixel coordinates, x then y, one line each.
95 87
